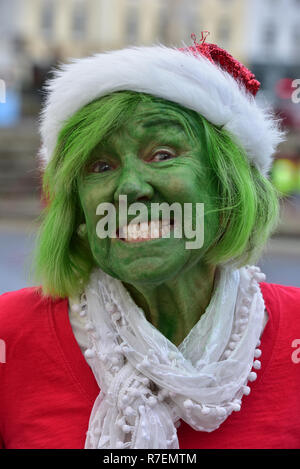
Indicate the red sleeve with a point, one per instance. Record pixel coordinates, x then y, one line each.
3 341
14 307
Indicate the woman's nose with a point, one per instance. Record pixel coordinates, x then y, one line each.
133 184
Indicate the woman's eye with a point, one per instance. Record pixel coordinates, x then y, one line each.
100 167
162 155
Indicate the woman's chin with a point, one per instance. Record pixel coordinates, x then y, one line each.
149 270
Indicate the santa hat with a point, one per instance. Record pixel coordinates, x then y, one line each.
202 77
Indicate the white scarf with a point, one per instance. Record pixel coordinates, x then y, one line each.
147 383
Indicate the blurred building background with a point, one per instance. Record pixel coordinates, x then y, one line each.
36 35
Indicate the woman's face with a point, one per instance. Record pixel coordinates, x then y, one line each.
150 159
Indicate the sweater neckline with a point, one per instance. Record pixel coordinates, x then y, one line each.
82 374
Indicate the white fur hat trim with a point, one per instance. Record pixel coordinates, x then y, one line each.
193 82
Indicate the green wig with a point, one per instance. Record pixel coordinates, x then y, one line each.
246 201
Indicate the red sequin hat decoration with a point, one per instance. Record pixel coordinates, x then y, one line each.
221 57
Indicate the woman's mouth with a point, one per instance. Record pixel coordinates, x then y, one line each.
145 231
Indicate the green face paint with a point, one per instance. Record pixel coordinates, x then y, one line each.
153 159
246 201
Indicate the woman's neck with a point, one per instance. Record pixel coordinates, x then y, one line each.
175 306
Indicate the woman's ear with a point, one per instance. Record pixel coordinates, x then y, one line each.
82 231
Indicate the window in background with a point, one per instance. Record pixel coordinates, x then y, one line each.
2 91
79 20
163 23
295 40
132 22
47 18
223 32
189 15
269 34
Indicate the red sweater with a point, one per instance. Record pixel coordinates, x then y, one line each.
47 389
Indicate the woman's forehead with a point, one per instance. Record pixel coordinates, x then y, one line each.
147 114
152 118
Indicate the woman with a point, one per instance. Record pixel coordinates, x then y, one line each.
135 340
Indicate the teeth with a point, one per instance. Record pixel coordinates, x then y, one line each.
166 230
152 230
133 231
144 226
165 223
